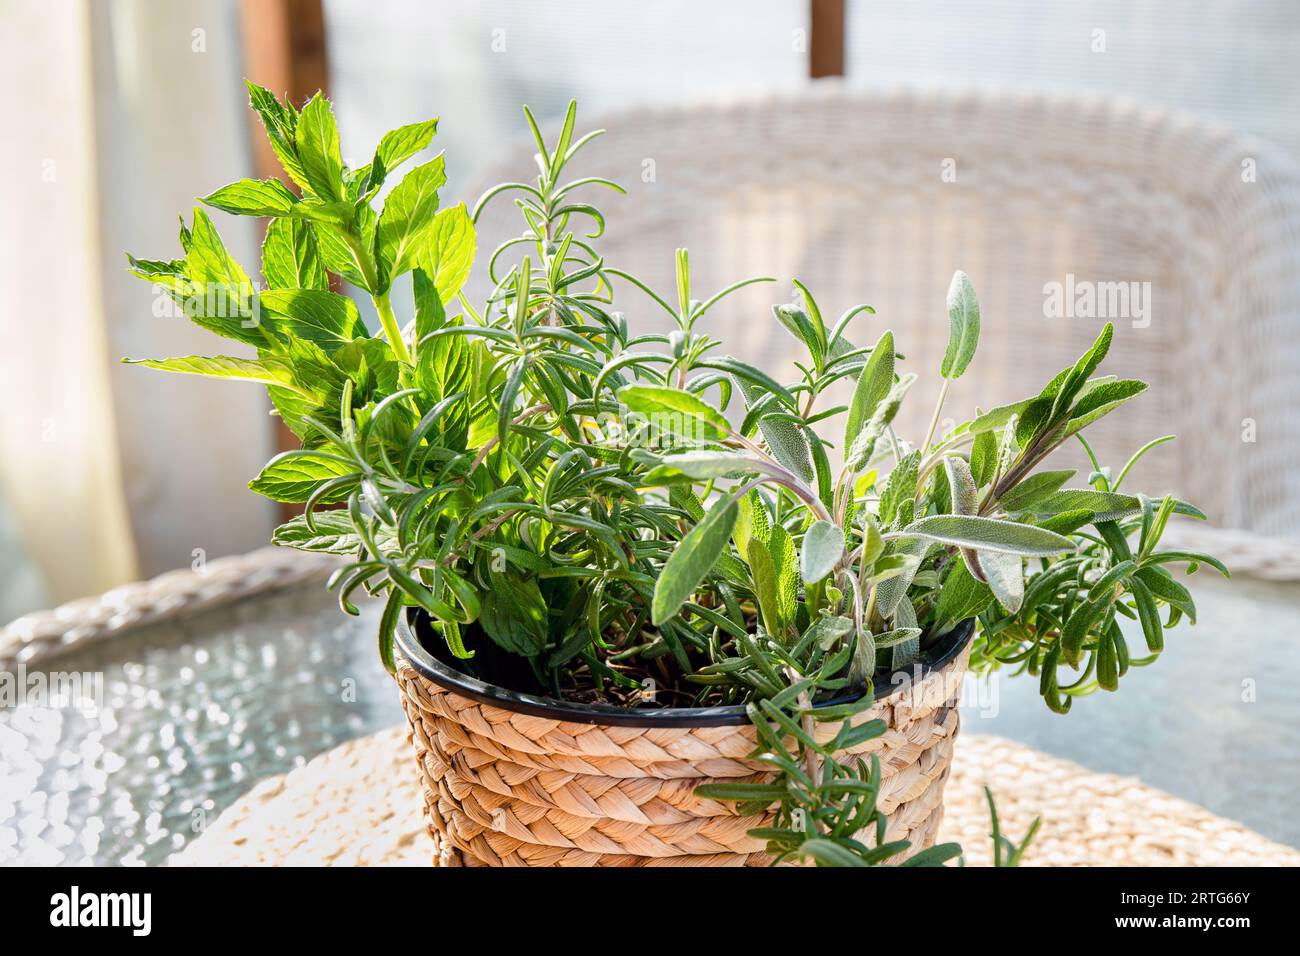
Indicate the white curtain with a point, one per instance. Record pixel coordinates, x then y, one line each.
115 116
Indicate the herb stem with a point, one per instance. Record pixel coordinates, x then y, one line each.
934 419
391 329
382 304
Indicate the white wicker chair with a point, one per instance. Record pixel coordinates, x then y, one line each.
846 191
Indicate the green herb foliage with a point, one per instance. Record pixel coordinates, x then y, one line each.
601 508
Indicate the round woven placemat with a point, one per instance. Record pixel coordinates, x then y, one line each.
359 805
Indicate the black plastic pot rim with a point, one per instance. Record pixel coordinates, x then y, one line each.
447 676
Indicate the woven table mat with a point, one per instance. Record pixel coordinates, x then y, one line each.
359 805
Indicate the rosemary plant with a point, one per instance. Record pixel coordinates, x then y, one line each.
605 509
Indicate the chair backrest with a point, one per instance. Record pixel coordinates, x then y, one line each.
1064 210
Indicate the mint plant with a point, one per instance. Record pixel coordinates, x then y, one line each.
603 508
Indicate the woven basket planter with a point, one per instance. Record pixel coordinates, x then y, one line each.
515 780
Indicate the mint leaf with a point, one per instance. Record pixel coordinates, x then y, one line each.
447 251
317 139
399 145
407 216
333 533
291 258
325 318
269 370
346 258
294 475
208 262
254 197
280 121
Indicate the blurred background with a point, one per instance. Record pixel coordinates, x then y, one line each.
1119 160
867 148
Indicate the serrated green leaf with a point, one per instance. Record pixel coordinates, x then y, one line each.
331 532
408 216
280 121
317 140
325 318
399 145
254 197
343 257
290 258
447 251
293 475
268 370
208 262
214 292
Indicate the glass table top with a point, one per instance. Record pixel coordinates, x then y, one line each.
191 713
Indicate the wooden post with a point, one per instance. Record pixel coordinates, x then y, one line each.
826 53
284 51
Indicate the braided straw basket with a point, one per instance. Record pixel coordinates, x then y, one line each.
514 780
